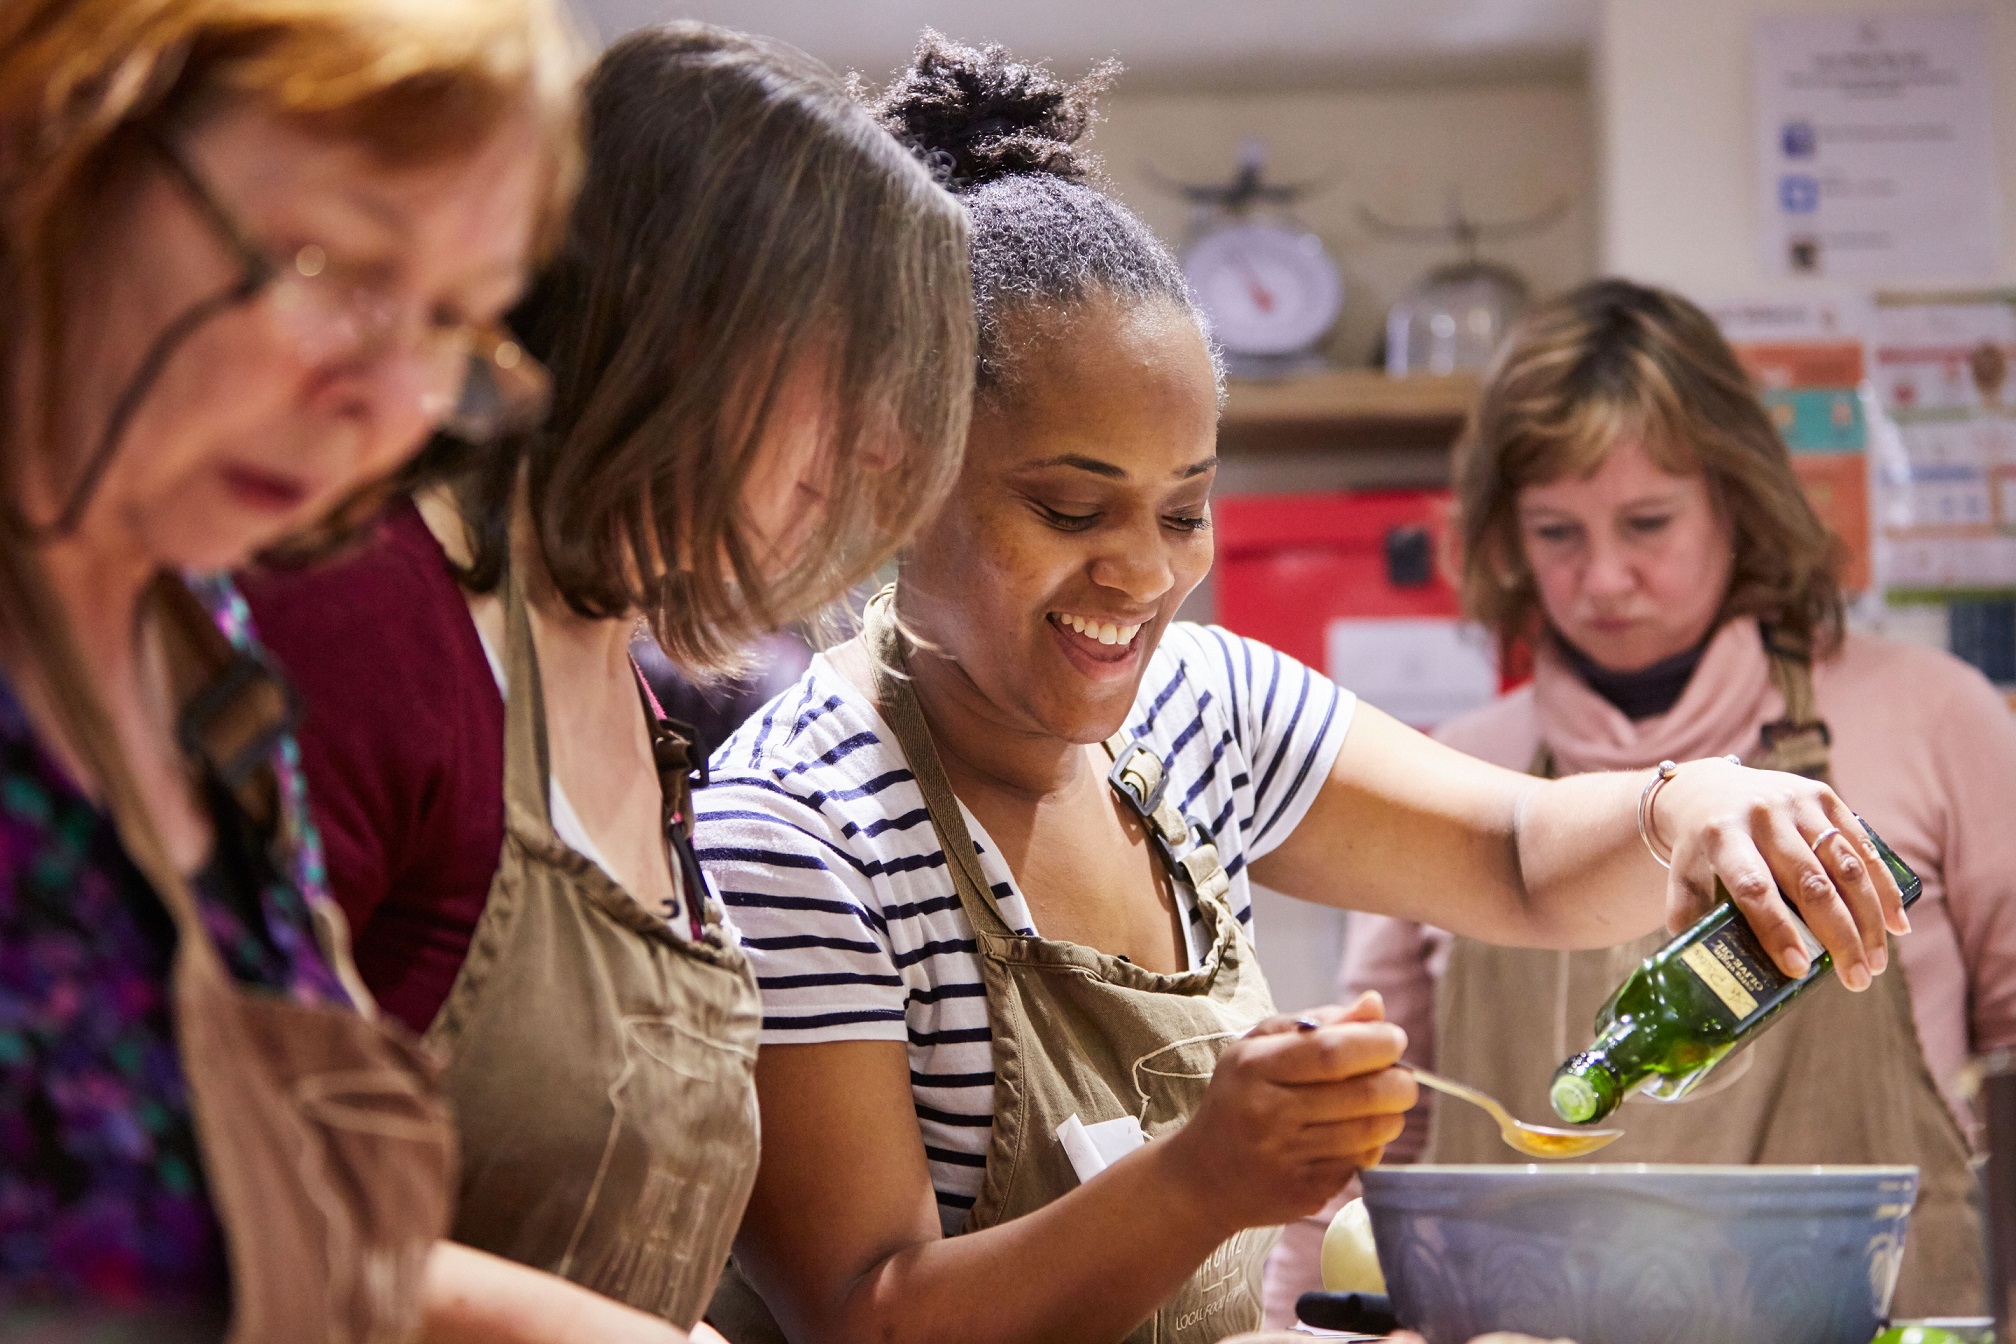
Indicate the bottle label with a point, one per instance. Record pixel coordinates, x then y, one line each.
1724 974
1734 965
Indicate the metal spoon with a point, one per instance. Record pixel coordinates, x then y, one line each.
1532 1140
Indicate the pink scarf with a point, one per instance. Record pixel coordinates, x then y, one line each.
1729 696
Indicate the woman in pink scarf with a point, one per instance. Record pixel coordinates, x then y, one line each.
1629 510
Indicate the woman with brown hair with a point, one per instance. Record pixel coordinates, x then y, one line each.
252 253
1629 511
760 342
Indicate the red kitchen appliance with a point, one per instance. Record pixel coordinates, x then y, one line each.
1352 582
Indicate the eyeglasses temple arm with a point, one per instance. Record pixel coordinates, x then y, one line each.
258 271
259 268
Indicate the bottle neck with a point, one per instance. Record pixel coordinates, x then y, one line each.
1584 1090
1594 1083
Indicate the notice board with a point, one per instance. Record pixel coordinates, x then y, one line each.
1875 152
1944 400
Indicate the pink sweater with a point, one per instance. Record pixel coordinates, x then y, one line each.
1924 749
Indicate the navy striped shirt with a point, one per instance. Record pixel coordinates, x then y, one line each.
815 834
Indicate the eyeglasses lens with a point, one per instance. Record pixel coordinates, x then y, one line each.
476 382
504 389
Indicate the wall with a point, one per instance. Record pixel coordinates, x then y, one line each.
1678 179
1509 149
1673 88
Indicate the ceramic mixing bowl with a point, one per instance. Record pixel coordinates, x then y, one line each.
1635 1254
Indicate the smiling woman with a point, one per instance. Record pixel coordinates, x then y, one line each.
1021 1079
1120 443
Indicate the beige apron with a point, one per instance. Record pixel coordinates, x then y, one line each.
601 1066
1840 1080
326 1146
1078 1032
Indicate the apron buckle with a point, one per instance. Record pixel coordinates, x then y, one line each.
1137 773
234 724
672 752
1780 730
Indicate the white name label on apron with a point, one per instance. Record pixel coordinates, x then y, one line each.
1093 1148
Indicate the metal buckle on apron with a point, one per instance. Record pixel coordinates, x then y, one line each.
1780 730
1137 772
672 751
225 726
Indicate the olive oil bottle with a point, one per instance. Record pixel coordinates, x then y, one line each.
1689 1006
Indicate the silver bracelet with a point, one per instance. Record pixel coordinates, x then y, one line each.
1646 828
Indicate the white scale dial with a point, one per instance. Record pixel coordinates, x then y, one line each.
1269 289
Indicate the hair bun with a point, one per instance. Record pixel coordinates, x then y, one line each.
977 114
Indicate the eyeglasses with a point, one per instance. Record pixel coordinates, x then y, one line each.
477 382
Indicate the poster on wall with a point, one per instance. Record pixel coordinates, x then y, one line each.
1875 150
1944 443
1806 357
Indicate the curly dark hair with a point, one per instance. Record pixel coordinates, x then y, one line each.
1004 135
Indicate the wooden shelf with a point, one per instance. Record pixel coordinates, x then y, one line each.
1345 409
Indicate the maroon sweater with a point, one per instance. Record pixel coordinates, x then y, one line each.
403 743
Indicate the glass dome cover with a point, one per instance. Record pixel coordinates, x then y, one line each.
1453 319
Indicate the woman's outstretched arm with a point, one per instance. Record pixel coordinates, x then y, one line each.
1406 826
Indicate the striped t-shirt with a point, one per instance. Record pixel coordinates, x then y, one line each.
815 834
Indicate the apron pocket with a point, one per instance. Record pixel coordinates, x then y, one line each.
1170 1081
378 1156
676 1168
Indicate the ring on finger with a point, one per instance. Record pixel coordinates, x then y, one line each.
1823 838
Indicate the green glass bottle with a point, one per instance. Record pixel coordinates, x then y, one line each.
1689 1006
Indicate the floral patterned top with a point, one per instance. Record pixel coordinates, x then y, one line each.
102 1198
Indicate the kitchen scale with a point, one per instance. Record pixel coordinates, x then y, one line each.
1265 281
1454 318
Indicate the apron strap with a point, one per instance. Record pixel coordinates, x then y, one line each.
1138 776
209 728
896 698
526 772
676 759
675 754
1800 742
236 710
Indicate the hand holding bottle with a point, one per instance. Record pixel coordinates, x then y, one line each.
1788 853
1689 1006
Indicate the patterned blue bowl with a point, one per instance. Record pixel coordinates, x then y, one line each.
1636 1254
